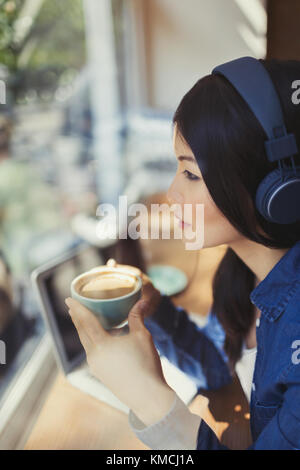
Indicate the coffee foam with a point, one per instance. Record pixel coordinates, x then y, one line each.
106 285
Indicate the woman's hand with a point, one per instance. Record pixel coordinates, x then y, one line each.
128 365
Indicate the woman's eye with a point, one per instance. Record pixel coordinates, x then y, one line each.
190 175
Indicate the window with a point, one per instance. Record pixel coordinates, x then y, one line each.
46 162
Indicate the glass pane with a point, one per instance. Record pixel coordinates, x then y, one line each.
46 162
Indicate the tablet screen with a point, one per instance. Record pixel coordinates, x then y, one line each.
56 287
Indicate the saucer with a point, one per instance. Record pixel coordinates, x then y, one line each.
167 279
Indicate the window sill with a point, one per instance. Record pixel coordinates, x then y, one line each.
25 396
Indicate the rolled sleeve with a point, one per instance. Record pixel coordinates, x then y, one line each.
177 430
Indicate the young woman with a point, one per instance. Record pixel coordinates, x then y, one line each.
254 323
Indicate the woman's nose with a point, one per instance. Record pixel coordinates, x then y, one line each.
173 196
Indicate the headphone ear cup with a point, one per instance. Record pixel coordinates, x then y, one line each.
277 198
263 191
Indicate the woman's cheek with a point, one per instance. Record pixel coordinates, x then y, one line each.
200 217
206 218
203 209
217 229
207 222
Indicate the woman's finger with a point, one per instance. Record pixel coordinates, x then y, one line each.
84 339
136 316
86 321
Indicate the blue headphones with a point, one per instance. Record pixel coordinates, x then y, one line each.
278 195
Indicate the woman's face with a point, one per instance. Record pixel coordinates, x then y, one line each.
188 187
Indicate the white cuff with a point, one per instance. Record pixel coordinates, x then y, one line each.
177 430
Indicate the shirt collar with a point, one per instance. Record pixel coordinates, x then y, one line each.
273 293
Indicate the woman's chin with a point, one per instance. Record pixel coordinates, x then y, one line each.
192 239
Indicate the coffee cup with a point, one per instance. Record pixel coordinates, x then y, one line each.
109 292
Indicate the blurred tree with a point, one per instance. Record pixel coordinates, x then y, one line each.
9 11
37 39
58 35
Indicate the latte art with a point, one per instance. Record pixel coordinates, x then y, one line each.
106 285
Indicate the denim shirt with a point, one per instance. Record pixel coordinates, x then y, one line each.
275 396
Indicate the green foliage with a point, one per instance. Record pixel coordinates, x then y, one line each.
59 31
56 37
9 11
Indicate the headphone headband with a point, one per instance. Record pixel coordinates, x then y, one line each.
252 81
278 193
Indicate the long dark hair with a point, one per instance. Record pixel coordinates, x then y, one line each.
228 143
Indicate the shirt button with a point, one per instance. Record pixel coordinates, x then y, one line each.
257 322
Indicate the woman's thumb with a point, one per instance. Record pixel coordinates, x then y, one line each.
136 315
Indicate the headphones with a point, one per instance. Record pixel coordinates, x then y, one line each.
278 195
